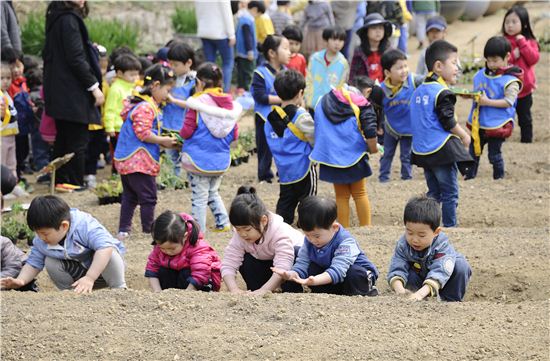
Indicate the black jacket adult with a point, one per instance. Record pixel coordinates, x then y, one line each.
70 67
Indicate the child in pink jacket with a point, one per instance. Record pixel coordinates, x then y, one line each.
261 240
525 54
181 257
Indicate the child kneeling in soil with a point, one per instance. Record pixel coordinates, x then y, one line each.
424 261
77 251
261 240
181 257
330 261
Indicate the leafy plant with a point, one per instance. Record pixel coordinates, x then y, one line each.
33 33
109 188
167 178
184 20
14 225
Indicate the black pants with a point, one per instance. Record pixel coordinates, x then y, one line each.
71 137
292 194
95 147
171 278
245 69
358 282
264 153
523 109
22 150
257 272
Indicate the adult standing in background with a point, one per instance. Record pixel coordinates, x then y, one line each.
423 10
72 79
344 16
11 33
216 29
317 17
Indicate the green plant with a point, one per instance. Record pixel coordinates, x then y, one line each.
14 225
33 32
247 140
168 179
109 188
184 20
109 33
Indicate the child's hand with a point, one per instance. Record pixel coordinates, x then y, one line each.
168 142
286 275
519 37
237 291
10 282
466 141
111 134
84 285
258 292
483 99
310 281
415 297
250 55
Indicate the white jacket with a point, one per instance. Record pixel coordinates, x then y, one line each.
214 19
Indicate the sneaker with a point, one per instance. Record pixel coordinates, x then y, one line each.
101 162
44 178
220 229
18 191
90 180
123 236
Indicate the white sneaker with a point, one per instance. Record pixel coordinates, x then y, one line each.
19 192
90 180
123 236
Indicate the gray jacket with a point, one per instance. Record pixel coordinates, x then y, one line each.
12 258
11 34
344 13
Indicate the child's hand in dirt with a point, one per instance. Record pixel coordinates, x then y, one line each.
84 285
415 297
10 282
258 292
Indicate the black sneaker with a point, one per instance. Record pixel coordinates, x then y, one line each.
44 178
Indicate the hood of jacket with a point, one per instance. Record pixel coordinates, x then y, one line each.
336 106
219 126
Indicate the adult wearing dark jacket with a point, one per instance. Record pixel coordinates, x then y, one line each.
72 79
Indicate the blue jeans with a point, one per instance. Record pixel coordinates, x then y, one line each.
175 156
205 193
454 289
443 187
390 144
40 150
211 47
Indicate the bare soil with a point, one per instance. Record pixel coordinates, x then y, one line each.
503 232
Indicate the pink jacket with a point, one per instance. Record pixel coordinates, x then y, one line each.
201 259
526 59
277 245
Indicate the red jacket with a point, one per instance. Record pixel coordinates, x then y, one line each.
201 259
528 56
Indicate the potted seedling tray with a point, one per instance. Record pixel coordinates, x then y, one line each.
109 191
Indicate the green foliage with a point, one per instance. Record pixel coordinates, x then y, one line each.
109 33
109 188
14 225
184 20
33 32
167 178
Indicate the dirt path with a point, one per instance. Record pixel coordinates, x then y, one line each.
504 233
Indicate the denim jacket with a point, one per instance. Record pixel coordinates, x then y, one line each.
434 265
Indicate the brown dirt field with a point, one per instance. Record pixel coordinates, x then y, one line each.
504 233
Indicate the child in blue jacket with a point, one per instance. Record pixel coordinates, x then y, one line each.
330 261
424 261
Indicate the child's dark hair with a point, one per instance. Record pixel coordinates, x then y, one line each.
292 32
316 212
523 16
127 62
497 46
171 227
34 78
439 50
423 210
271 42
376 96
180 51
116 53
334 32
390 57
163 74
365 44
11 55
247 209
145 64
47 212
282 3
31 62
258 5
288 83
210 74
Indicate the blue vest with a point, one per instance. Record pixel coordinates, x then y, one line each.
493 86
323 256
291 154
396 108
173 115
428 135
128 143
245 19
339 145
263 110
208 153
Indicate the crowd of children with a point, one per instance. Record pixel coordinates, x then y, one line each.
310 112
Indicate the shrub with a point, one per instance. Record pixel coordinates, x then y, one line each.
184 20
109 33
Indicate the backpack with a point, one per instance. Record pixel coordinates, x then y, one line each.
25 115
